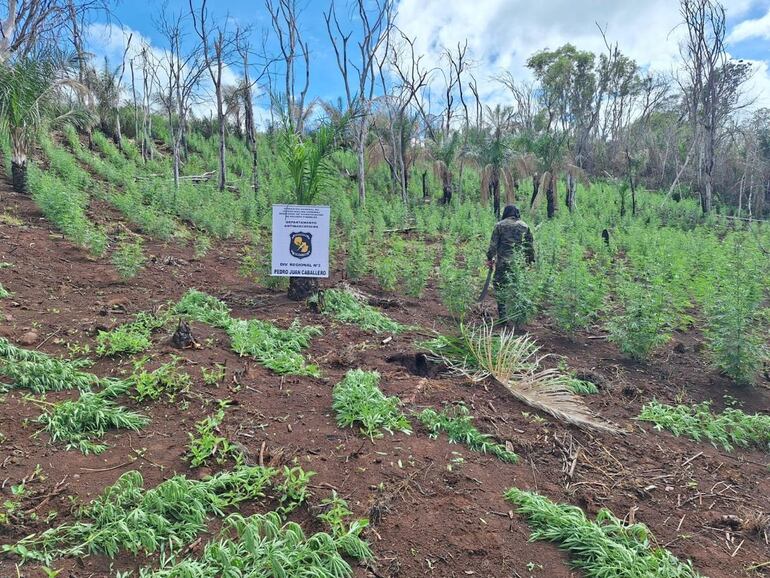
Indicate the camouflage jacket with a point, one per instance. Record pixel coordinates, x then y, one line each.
510 233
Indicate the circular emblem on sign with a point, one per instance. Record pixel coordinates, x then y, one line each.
300 245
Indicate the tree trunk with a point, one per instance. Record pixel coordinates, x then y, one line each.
361 167
535 188
222 147
570 192
425 191
495 186
550 196
118 132
19 177
302 288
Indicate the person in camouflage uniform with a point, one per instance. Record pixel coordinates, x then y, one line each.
510 234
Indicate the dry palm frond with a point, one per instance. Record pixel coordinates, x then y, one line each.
441 172
510 187
486 178
579 175
513 362
544 180
525 165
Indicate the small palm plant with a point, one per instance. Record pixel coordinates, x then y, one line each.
310 170
29 91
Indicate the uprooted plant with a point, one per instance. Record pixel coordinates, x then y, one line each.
357 399
607 548
479 353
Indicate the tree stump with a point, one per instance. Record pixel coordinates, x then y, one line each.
183 337
302 288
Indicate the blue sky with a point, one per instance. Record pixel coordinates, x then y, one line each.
501 34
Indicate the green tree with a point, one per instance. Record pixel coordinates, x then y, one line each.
310 172
29 91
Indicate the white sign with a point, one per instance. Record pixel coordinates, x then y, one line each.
300 241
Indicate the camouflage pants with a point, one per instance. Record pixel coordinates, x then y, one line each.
499 281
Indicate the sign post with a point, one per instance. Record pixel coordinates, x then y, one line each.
300 241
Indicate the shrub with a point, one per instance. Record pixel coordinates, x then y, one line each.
518 292
128 258
357 399
642 325
576 295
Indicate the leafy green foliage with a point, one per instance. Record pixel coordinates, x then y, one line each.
38 372
582 387
206 444
130 338
78 422
128 258
261 545
350 308
576 295
357 261
456 285
293 489
168 380
642 325
458 425
65 207
126 517
518 293
607 548
358 399
4 293
728 429
335 515
277 349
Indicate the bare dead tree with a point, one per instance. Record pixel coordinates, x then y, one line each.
711 84
358 67
30 23
216 43
284 17
118 133
184 68
411 78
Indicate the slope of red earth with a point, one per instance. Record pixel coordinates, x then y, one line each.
428 519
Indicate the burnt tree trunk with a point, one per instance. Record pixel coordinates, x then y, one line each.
19 177
494 184
183 337
302 288
535 188
425 191
550 196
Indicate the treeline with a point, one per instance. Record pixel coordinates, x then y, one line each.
579 117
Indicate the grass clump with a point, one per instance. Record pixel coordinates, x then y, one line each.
606 548
349 308
358 399
130 338
457 423
280 350
728 429
27 369
79 422
262 545
128 517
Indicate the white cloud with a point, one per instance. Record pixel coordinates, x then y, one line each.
110 41
502 34
753 28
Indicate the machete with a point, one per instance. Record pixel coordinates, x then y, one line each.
485 290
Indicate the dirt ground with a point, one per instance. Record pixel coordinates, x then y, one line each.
427 519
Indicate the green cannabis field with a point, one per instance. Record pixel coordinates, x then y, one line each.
169 409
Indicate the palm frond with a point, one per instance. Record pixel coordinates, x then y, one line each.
513 362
